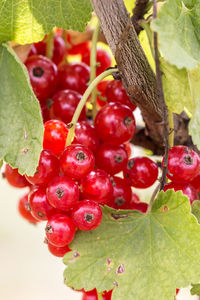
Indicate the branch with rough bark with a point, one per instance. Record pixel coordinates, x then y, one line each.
138 14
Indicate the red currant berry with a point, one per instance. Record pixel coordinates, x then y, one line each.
141 172
187 190
64 105
183 164
74 77
85 134
60 230
58 251
62 193
115 123
24 209
48 168
77 161
122 193
78 49
97 186
86 215
39 205
196 182
43 76
55 135
111 158
115 92
90 295
14 178
101 88
140 206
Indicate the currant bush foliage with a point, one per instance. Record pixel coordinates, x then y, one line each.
195 290
28 21
140 256
21 129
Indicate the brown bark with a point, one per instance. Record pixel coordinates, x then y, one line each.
138 14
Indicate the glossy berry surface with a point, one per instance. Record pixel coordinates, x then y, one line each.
183 164
60 230
43 76
111 158
141 172
86 135
14 178
78 49
187 190
101 88
86 215
62 193
24 209
64 105
74 77
77 161
122 193
58 251
115 123
115 92
55 135
39 205
97 186
47 168
196 182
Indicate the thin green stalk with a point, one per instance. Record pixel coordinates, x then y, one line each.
50 45
82 102
93 66
171 129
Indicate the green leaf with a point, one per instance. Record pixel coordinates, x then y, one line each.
28 21
21 127
196 209
195 290
179 35
140 256
176 88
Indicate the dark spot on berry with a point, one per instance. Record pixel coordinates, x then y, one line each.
88 217
41 214
119 201
127 121
48 229
81 156
38 72
120 269
118 158
188 160
60 193
130 164
112 181
27 207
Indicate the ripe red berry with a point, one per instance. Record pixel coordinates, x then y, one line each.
141 172
101 88
39 205
62 193
60 230
43 76
48 167
111 158
86 135
140 206
24 209
77 49
183 164
122 193
55 135
97 186
74 77
14 178
58 251
196 182
115 92
86 215
187 190
115 123
64 105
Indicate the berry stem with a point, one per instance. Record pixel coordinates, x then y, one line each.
82 102
50 45
93 65
171 129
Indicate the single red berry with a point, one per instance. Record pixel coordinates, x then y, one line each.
64 105
55 135
97 186
39 205
141 172
122 193
86 135
86 215
77 161
196 182
62 193
115 92
107 295
111 158
24 209
115 123
183 164
60 230
140 206
48 167
58 251
43 76
74 77
14 178
187 190
101 88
